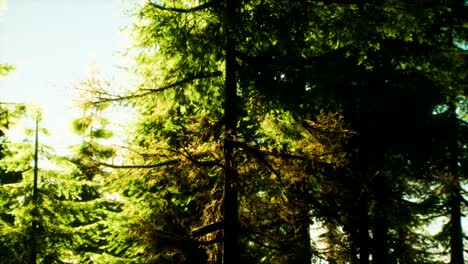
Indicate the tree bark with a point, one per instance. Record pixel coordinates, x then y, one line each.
363 229
303 252
380 238
231 250
363 202
34 195
456 231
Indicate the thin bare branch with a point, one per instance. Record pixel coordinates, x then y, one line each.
147 155
186 10
186 80
198 162
142 166
311 126
104 97
210 228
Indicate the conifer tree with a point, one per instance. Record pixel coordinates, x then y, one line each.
214 73
53 210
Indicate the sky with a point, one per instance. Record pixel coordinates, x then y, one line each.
54 45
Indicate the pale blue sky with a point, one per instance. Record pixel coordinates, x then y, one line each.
53 43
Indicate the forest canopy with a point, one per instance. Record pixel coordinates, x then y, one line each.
260 131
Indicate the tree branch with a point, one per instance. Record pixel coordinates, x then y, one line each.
186 10
210 242
340 1
203 163
161 164
208 229
186 80
110 98
311 125
293 156
260 157
463 200
272 59
252 238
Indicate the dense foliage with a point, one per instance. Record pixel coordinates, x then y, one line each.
262 132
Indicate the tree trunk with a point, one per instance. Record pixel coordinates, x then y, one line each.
35 215
456 234
303 252
231 250
380 240
364 229
363 200
456 231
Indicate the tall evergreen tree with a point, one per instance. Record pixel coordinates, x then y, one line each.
52 210
383 66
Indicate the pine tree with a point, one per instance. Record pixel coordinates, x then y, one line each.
382 67
53 211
